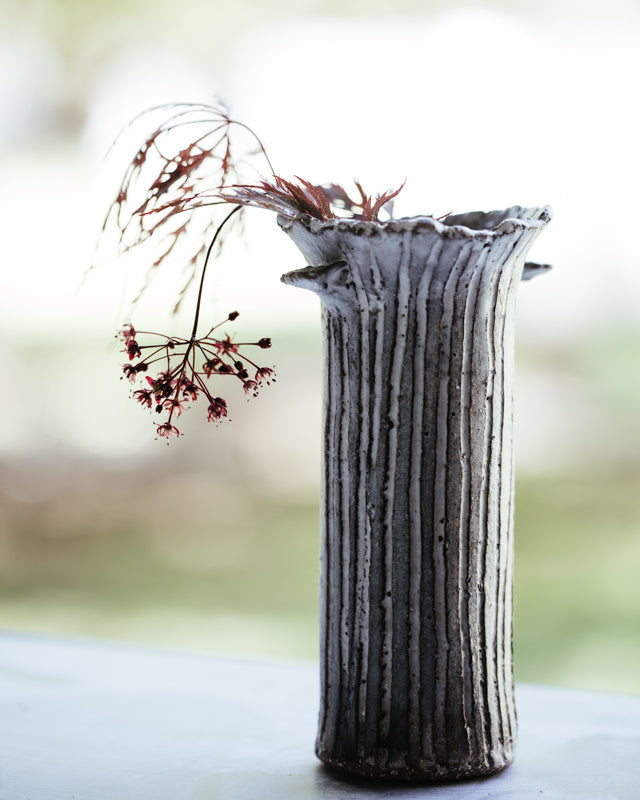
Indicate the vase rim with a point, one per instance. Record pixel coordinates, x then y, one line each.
479 223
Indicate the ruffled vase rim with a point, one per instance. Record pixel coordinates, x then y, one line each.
513 219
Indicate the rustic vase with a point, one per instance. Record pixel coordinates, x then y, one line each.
417 506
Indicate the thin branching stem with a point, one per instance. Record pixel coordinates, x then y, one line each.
204 268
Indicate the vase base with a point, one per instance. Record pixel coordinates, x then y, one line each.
399 771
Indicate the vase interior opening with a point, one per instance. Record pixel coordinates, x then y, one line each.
486 220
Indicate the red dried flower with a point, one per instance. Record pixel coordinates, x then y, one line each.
144 397
161 388
174 404
217 410
167 430
133 349
210 366
130 371
180 382
225 345
189 389
250 387
264 375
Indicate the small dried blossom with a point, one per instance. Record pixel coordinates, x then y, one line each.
131 370
265 375
144 397
167 430
217 410
133 349
189 389
250 387
180 380
226 345
174 405
211 365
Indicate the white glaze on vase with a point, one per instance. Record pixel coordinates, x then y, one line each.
417 545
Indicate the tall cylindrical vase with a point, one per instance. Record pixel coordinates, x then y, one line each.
417 507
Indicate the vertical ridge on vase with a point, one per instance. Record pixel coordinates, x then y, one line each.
458 456
483 384
457 532
473 708
504 407
497 735
505 498
361 616
418 736
491 563
331 566
438 424
429 639
391 647
469 432
505 643
349 530
370 712
440 527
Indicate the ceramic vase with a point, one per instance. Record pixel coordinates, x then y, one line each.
417 499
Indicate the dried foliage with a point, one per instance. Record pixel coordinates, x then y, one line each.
175 195
169 179
303 197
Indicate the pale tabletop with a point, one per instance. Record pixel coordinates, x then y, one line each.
87 720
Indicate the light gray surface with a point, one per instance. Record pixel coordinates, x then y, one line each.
82 720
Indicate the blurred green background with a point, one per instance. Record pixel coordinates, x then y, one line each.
211 544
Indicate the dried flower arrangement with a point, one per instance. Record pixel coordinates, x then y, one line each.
168 197
418 471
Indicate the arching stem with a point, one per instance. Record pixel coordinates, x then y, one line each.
206 263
